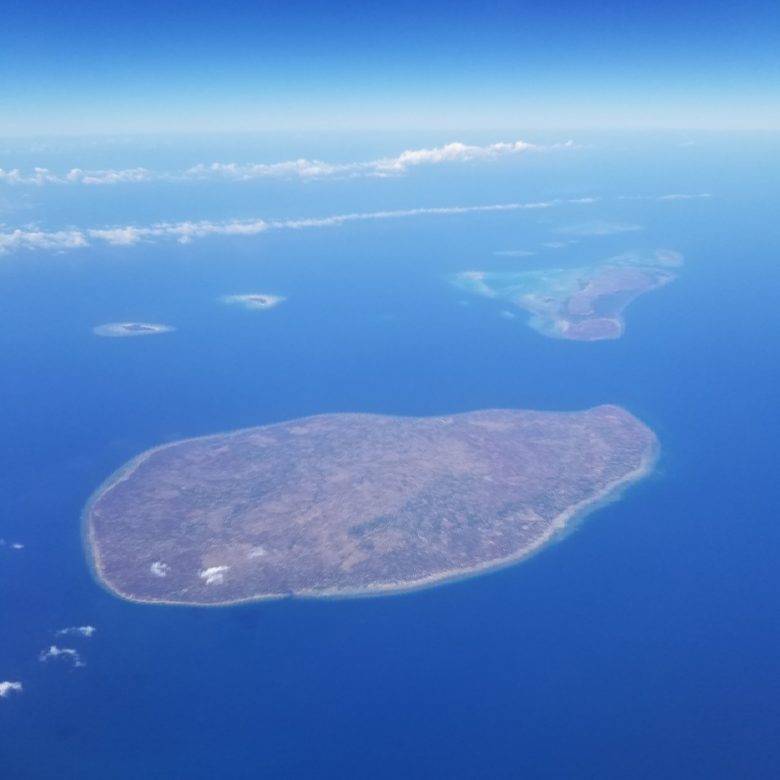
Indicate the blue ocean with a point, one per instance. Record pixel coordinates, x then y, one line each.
645 644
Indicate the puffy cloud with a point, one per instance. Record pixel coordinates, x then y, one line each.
66 653
32 238
121 236
183 232
454 152
7 687
11 545
38 176
159 569
132 175
86 631
304 169
214 575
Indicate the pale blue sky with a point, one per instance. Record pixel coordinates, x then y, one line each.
92 67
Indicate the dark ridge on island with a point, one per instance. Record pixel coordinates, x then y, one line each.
354 504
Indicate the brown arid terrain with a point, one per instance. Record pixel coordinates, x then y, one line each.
354 504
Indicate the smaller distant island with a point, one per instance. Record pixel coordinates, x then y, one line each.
583 303
123 329
254 300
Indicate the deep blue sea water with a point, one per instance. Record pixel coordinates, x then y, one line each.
643 645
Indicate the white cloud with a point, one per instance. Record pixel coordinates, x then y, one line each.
11 545
132 175
86 631
123 236
7 687
184 232
214 575
455 152
304 169
67 653
33 238
159 569
40 176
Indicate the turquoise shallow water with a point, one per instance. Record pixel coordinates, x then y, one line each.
642 645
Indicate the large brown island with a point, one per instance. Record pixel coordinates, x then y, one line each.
354 504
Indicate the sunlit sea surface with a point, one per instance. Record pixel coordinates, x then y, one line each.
644 645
